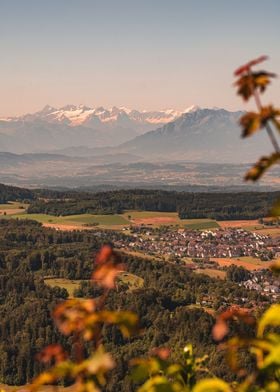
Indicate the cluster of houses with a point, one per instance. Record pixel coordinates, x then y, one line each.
264 283
203 244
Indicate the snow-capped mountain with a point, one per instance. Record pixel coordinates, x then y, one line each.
83 115
200 135
71 126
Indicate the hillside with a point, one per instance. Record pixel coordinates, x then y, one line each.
202 135
170 294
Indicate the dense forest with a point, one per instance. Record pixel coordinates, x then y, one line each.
167 298
12 193
222 206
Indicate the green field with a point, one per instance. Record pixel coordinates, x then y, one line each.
75 220
154 218
149 214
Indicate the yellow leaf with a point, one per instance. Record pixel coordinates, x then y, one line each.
212 385
270 318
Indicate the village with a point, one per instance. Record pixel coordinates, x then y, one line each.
201 251
180 243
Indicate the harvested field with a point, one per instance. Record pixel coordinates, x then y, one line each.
272 231
12 208
213 273
249 263
239 223
202 225
155 221
59 226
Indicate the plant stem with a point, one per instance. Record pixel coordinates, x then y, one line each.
267 126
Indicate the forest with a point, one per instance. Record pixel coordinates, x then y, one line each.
221 206
188 205
30 253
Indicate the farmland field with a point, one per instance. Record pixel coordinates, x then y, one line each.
239 223
250 263
213 273
12 208
202 224
75 221
156 218
115 221
129 218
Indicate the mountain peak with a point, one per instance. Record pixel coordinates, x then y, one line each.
192 108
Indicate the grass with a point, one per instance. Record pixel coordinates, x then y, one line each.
199 224
149 214
76 220
69 285
115 221
13 205
12 208
133 281
104 220
213 273
251 260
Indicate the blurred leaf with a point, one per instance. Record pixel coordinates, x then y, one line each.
53 351
127 321
250 82
252 122
275 267
275 211
262 166
212 385
246 67
106 274
270 318
160 383
104 255
220 330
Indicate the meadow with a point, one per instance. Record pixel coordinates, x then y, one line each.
114 221
67 284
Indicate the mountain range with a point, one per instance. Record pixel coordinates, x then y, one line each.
78 145
70 126
195 134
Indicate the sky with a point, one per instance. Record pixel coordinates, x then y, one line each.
142 54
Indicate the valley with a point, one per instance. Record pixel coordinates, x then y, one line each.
79 146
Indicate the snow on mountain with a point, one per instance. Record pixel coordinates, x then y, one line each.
70 126
84 115
205 135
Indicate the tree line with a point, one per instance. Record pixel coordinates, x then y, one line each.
222 206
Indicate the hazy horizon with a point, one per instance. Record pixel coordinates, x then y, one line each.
144 55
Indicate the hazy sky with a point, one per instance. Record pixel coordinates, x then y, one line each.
137 53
